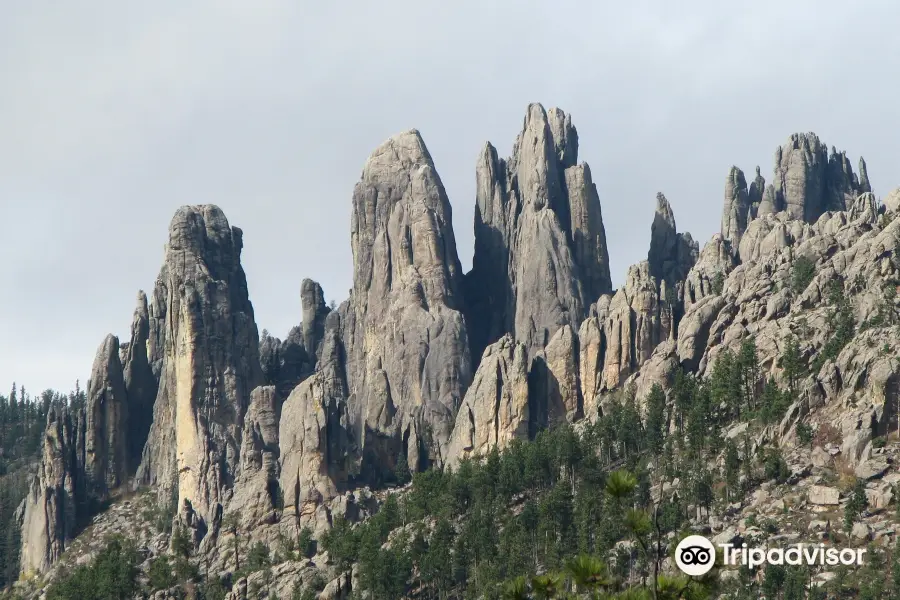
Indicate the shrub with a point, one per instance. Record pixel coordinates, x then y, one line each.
802 273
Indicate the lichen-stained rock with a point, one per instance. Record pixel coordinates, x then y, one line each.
141 385
405 336
315 435
314 313
205 343
496 407
737 206
540 245
51 506
106 451
256 490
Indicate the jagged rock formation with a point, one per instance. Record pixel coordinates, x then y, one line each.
671 254
206 346
807 182
540 246
316 438
141 385
314 313
406 343
52 506
284 363
105 461
256 491
737 205
496 408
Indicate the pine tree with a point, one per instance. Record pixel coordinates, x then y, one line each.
656 419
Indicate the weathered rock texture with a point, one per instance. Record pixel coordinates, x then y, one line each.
540 245
671 254
407 350
141 386
256 491
496 407
51 507
315 434
808 181
284 363
206 344
314 313
106 452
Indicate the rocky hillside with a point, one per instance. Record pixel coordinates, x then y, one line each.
773 347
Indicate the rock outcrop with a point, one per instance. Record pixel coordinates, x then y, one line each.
52 506
205 343
405 336
318 447
738 205
671 254
284 363
540 245
256 490
314 313
106 452
141 386
496 407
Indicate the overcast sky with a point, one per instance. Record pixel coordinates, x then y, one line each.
113 114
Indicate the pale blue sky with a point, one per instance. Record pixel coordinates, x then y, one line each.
114 113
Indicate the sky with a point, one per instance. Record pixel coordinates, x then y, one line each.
113 114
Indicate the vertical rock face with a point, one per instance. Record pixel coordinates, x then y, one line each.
51 507
737 206
715 262
635 321
540 245
808 182
314 312
315 434
284 363
588 234
106 450
141 385
204 342
405 337
755 193
671 254
554 384
256 492
496 407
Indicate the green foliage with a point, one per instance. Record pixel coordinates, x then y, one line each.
804 434
802 273
841 324
112 575
401 470
161 574
181 542
793 364
718 283
775 466
856 505
258 557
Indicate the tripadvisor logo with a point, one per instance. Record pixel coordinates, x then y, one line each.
695 555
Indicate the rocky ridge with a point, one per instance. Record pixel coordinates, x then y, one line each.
425 366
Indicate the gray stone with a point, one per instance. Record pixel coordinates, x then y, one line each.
205 342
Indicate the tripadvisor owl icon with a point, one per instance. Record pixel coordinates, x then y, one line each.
695 555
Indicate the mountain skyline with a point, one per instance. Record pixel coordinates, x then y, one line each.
90 184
